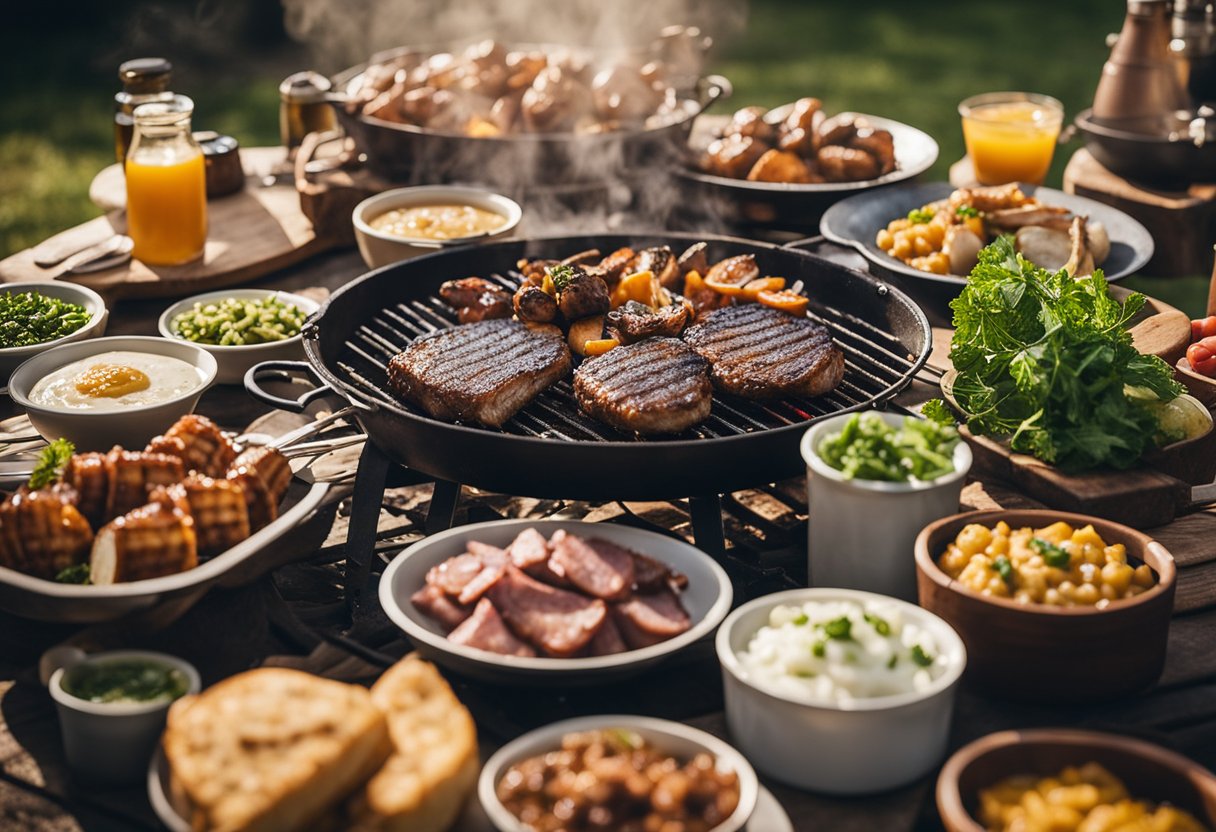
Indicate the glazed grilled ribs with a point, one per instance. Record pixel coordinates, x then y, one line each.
482 372
762 353
654 386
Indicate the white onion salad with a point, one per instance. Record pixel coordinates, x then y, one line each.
838 651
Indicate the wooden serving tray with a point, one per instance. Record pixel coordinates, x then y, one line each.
253 232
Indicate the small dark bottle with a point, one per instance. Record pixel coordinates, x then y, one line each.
144 81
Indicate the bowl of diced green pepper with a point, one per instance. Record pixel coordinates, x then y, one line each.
36 316
240 327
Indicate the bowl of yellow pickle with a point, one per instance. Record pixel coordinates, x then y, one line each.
1050 599
1064 780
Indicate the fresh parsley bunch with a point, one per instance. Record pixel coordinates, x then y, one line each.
1046 360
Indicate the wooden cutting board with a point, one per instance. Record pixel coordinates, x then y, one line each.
1151 495
251 233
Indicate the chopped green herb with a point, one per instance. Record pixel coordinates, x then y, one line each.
50 463
1046 360
819 649
841 628
891 662
919 216
936 410
1052 554
867 448
880 625
28 318
561 277
1003 568
76 574
921 658
627 738
805 674
966 211
801 620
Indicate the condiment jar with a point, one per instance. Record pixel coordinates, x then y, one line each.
304 108
144 81
166 185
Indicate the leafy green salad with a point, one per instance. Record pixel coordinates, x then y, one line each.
1046 360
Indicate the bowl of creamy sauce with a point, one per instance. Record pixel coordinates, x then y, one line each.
407 222
112 391
117 380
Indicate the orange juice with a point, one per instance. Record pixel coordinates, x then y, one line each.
167 210
1011 140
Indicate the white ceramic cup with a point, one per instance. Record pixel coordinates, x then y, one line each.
860 747
862 532
113 742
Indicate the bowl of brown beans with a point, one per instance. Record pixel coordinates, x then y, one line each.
624 773
1065 780
1050 601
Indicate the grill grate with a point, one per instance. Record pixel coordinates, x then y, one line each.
876 366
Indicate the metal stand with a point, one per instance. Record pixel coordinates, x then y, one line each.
368 496
442 513
706 511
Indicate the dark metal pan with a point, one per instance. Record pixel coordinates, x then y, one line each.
1151 157
551 449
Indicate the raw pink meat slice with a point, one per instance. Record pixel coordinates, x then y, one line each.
454 574
434 602
648 619
493 561
485 630
529 549
558 622
597 567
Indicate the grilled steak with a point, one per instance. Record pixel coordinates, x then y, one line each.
654 386
481 372
760 353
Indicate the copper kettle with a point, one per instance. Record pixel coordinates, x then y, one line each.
1140 81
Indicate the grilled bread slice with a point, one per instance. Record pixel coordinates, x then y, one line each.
272 750
426 781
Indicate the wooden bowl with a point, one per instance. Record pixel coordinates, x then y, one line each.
1199 386
1148 771
1072 654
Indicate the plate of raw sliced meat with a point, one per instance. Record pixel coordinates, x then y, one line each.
525 601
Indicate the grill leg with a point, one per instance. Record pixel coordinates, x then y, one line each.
364 517
707 531
442 513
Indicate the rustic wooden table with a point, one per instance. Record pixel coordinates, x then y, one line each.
296 617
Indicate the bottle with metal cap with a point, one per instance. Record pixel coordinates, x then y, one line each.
1193 48
304 108
144 81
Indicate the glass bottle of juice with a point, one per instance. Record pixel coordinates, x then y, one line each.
166 185
144 80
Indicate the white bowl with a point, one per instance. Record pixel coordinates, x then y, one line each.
865 746
233 362
12 357
380 249
92 430
846 547
113 741
707 600
672 737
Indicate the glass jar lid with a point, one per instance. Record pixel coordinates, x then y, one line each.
144 75
164 113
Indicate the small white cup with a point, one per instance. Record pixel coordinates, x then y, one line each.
113 742
862 532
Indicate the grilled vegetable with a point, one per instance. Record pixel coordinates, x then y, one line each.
786 300
583 330
235 322
762 284
599 346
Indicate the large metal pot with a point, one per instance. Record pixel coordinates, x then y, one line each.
409 154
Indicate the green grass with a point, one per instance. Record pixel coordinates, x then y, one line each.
909 62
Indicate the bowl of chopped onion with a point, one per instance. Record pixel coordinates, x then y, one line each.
240 327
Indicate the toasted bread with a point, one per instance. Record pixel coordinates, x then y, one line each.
272 749
433 768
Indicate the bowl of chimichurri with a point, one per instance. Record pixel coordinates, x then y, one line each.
34 316
112 709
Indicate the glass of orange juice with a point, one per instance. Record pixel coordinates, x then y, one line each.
166 185
1011 136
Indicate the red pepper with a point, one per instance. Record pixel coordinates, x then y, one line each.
1202 357
1203 328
